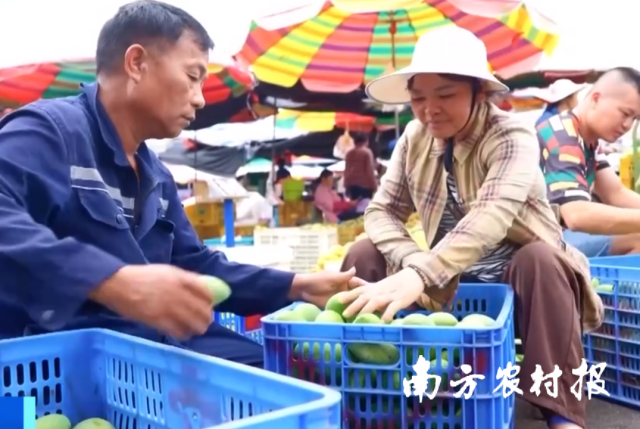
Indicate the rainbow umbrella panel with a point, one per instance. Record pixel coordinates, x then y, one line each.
327 121
25 84
350 42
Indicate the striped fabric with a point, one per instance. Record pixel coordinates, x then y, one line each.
350 43
491 266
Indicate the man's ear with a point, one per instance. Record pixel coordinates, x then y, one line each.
134 62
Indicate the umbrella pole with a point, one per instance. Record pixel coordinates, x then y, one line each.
273 171
392 32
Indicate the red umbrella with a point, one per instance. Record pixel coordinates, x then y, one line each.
25 84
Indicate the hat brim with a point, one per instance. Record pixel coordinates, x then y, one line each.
392 88
561 96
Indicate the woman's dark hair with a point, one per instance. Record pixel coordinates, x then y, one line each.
325 173
281 163
476 84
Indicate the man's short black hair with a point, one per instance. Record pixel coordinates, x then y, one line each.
145 22
359 138
627 74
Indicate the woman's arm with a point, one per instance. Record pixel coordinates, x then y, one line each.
390 208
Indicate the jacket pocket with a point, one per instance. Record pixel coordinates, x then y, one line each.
101 208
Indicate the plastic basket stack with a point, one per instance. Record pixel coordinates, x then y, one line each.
308 243
134 383
373 395
295 213
617 341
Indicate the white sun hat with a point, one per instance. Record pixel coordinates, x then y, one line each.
559 90
446 50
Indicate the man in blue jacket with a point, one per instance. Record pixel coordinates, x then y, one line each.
93 231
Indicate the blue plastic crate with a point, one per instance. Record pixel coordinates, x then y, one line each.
143 385
373 394
238 324
617 341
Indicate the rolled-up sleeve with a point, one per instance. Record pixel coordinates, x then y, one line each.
48 277
390 208
511 172
254 290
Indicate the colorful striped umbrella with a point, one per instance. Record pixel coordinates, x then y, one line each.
327 121
347 43
25 84
323 121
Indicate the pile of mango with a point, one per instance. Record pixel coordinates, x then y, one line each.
321 362
333 257
376 354
59 421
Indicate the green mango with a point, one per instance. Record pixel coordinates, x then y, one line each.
329 316
219 290
307 311
417 319
94 424
441 318
381 354
53 421
289 316
334 304
478 320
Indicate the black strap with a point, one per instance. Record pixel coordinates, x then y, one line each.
448 155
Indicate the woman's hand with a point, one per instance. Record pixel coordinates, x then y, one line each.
390 295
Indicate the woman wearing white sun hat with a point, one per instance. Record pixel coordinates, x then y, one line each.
472 172
560 96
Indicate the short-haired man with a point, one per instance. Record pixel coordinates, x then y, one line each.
568 144
94 234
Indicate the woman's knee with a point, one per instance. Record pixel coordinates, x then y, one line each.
543 265
369 263
535 256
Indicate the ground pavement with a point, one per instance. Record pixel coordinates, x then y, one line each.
600 415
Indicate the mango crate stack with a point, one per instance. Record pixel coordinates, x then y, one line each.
295 213
349 230
332 259
616 279
207 218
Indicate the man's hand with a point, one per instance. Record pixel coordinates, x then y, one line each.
174 301
317 288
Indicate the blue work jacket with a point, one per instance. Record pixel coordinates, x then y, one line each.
73 212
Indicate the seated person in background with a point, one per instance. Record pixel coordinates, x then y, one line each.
327 200
561 96
568 144
361 198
